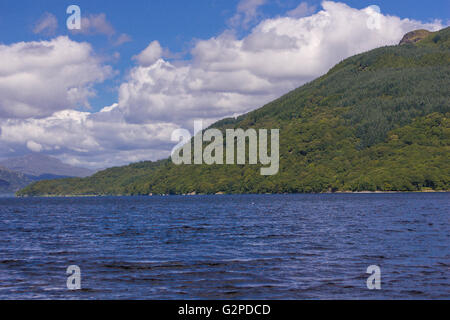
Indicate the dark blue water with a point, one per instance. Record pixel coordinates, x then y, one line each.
226 247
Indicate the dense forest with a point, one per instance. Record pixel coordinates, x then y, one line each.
378 121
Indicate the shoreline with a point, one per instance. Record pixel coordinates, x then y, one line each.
221 193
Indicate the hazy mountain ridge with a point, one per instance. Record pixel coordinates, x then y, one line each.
37 165
17 173
377 121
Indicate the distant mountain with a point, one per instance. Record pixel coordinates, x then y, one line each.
11 181
38 167
377 121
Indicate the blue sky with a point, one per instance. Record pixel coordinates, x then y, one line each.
113 93
174 23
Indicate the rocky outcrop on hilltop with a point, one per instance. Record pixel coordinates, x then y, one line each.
415 36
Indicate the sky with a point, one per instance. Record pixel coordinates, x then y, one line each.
112 92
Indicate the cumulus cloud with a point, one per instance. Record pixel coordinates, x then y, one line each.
91 139
232 76
47 25
150 54
226 76
33 146
39 78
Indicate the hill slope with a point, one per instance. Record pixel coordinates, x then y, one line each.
376 121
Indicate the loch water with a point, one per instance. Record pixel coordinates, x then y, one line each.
315 246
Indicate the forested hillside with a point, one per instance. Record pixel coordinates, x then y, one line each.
378 121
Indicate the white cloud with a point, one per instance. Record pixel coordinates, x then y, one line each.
229 75
246 13
150 54
39 78
98 24
93 139
47 25
226 76
33 146
95 24
302 10
123 38
109 108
